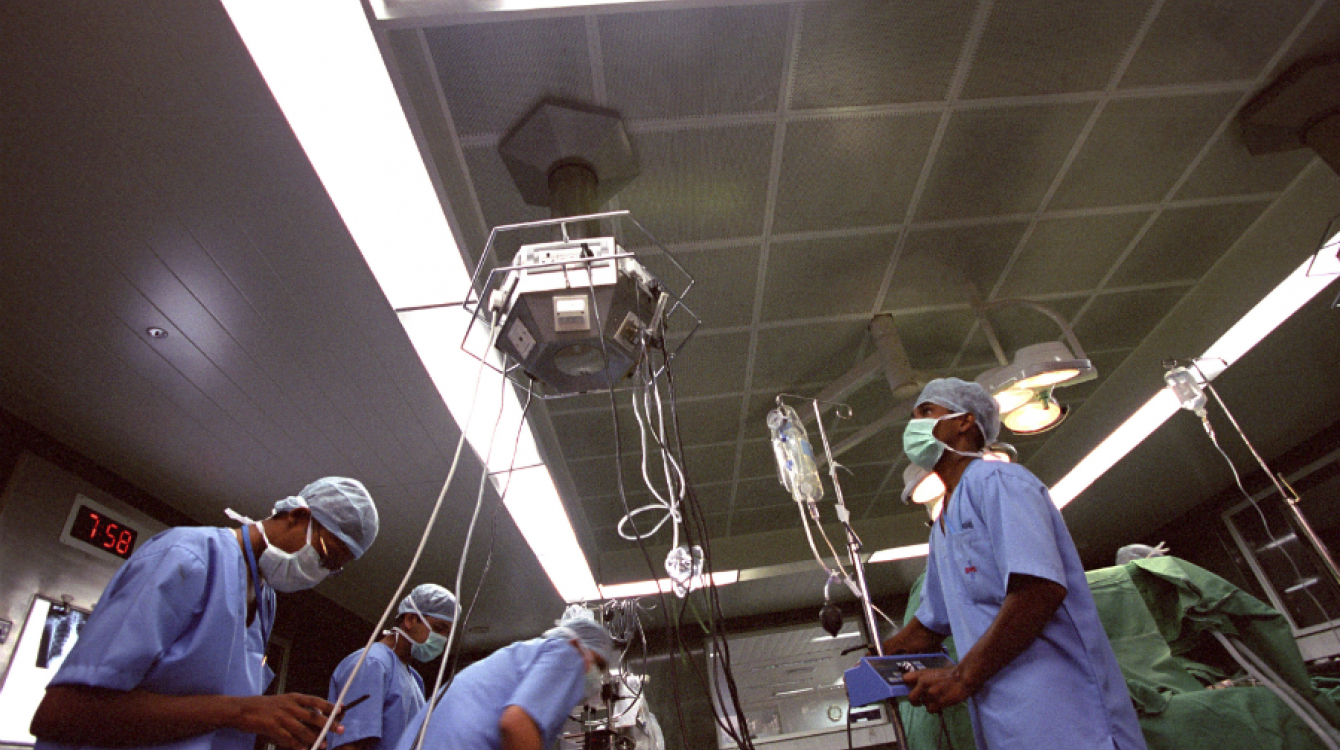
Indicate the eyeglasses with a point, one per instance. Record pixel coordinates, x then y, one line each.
323 552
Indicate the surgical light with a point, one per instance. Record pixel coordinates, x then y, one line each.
1010 399
1022 386
921 486
1038 366
1036 416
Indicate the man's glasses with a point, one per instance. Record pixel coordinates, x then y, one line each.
323 552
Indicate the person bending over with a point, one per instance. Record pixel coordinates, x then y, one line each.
518 697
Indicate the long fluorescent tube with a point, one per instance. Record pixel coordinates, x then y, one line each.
838 637
323 66
648 588
1306 282
900 553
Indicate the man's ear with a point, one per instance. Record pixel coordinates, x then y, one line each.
968 424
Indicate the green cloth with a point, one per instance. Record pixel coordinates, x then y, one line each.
1237 718
1187 601
1156 613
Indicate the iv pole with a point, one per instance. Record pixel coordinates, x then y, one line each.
854 553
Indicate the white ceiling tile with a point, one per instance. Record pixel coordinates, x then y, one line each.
1000 160
825 277
492 74
1140 147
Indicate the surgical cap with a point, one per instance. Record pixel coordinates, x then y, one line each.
961 396
1139 552
341 505
592 635
431 600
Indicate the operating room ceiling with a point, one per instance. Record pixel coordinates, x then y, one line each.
811 164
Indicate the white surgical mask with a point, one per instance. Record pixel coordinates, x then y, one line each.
287 572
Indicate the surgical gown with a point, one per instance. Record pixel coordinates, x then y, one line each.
1065 690
173 620
395 695
544 677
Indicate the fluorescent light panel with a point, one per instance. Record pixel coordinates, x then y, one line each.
663 585
1314 275
900 553
323 66
838 637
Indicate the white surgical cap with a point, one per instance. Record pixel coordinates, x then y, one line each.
1140 552
431 600
343 506
961 396
592 635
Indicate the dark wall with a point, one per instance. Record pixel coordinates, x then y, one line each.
1202 537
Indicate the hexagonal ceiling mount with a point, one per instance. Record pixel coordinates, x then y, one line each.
556 133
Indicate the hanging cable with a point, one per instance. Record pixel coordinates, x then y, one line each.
418 552
493 527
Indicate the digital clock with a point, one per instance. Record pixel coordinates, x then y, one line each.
90 525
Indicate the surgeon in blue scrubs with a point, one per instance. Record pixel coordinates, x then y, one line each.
173 655
394 691
518 697
1004 579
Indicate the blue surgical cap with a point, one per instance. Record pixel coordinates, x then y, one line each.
430 600
961 396
343 506
592 635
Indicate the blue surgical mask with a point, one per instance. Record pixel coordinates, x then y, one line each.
429 649
921 445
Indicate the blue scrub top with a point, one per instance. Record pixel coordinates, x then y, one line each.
544 677
395 695
173 620
1065 689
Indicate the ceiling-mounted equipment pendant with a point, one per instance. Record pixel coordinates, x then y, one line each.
574 313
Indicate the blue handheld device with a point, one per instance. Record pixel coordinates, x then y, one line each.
878 678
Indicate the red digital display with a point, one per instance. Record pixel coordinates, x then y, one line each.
93 528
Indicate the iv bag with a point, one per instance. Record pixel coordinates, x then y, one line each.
796 468
1189 393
